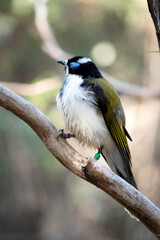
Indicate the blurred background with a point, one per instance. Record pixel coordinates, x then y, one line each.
39 198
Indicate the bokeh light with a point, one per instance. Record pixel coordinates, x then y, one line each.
104 54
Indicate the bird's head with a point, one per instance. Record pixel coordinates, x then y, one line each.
81 66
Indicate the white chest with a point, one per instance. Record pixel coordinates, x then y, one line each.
77 107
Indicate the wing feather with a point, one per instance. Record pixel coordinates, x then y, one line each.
114 117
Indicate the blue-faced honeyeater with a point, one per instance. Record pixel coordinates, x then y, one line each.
93 113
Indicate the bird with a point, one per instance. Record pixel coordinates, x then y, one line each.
93 113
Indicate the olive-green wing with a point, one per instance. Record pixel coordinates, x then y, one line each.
112 111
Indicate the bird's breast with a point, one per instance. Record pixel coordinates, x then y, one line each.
80 112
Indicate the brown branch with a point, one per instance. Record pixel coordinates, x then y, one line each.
86 168
53 49
154 8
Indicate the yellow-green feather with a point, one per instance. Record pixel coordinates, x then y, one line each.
114 117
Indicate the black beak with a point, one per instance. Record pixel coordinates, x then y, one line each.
63 62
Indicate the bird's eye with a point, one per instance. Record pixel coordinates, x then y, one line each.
74 65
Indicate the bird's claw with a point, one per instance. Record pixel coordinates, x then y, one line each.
60 133
64 135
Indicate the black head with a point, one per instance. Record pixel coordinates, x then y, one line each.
81 66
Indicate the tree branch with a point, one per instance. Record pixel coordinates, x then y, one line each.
86 168
52 48
154 8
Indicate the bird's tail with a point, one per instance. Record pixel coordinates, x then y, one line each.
118 165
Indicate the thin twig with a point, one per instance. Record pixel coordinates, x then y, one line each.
86 168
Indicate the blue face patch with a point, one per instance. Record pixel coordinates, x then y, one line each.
74 65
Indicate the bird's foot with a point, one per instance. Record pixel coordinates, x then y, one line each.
62 134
